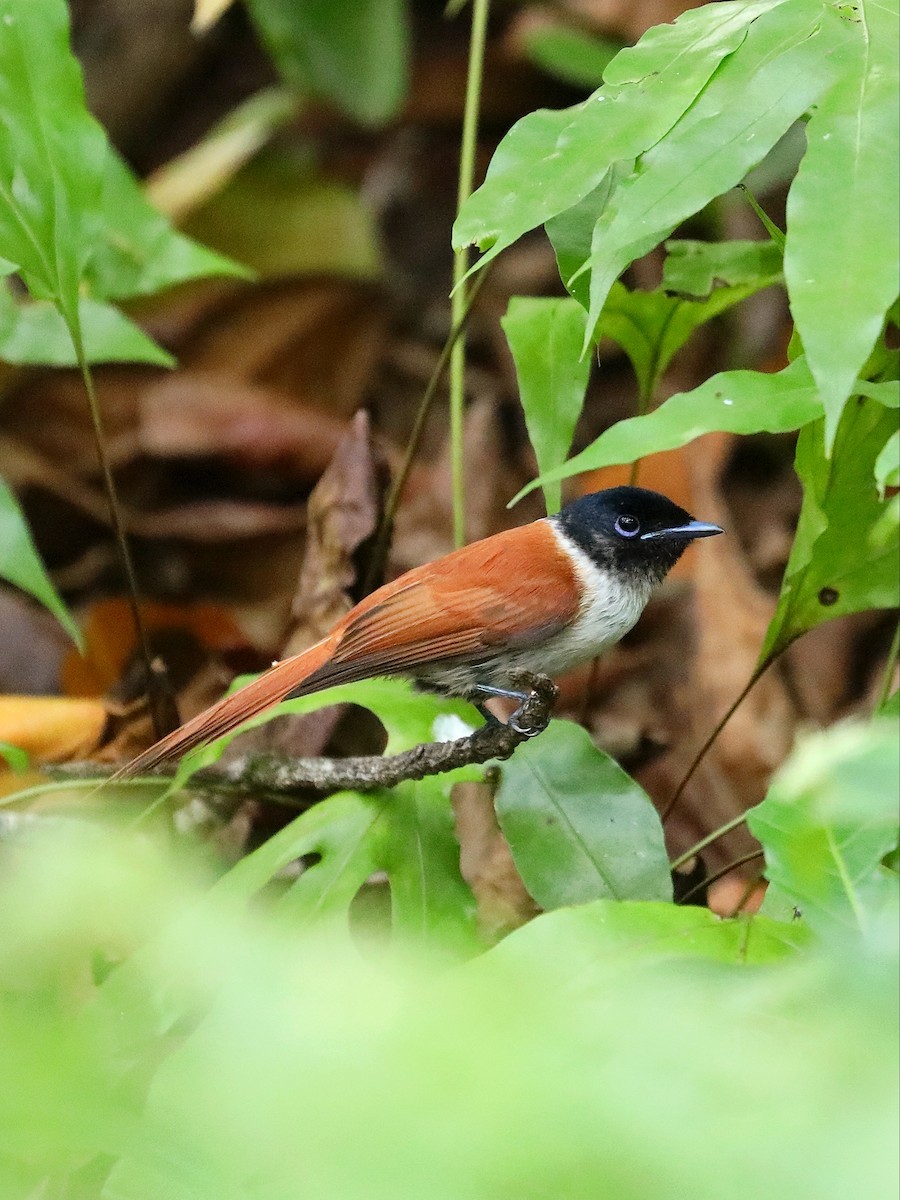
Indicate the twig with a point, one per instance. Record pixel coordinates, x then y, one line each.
279 776
717 875
890 667
163 711
734 823
707 745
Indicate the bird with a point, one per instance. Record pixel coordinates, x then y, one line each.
540 599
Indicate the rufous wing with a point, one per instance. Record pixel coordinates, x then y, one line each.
516 588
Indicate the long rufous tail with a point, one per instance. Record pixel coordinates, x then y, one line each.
221 718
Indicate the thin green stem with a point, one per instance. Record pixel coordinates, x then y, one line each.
645 397
392 503
734 823
39 790
771 228
707 745
161 726
648 391
480 10
890 667
717 875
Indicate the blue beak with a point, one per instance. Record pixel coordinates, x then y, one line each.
693 529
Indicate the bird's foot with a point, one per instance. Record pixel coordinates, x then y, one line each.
535 698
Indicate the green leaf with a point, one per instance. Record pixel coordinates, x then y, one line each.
354 54
34 331
570 232
281 217
408 832
696 269
891 706
786 61
341 831
578 826
572 941
52 155
842 261
549 161
735 401
887 464
409 717
302 1067
886 392
431 904
16 759
830 817
20 563
651 327
70 212
137 252
843 559
545 338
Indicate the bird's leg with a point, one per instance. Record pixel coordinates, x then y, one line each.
486 689
540 688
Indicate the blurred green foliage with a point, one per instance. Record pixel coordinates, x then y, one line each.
164 1040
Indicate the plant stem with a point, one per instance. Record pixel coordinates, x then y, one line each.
645 395
769 225
392 503
461 264
648 391
705 748
734 823
160 703
890 667
717 875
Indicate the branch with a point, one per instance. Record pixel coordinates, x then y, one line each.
279 776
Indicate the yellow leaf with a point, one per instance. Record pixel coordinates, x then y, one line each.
51 728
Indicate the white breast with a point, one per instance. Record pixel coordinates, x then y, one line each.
611 607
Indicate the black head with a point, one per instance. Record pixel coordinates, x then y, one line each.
632 530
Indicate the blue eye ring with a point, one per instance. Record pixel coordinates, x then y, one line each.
627 526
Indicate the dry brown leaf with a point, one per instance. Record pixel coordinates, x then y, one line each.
343 513
486 863
317 340
197 414
110 640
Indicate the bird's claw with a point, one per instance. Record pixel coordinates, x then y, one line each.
524 729
533 714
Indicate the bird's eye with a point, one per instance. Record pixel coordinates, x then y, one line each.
627 526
